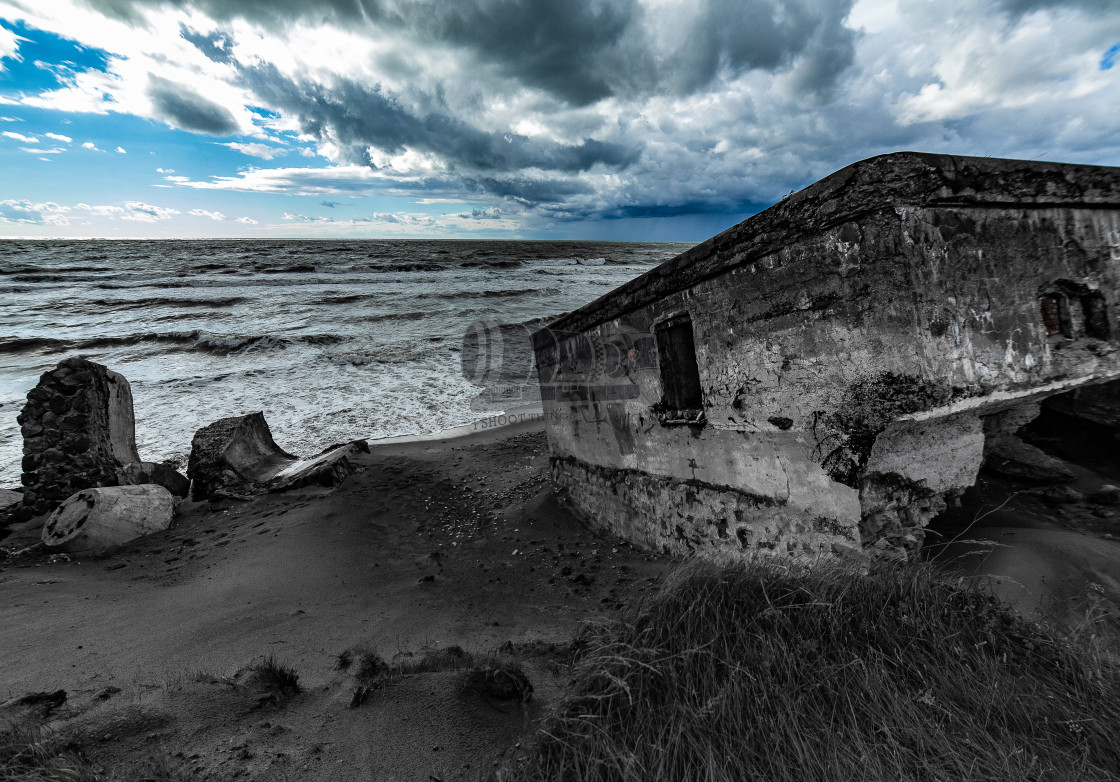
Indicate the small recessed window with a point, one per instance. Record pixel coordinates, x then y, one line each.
680 376
1055 315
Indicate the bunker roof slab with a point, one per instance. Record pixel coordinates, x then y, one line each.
899 179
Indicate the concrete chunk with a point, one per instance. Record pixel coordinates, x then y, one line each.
78 432
94 520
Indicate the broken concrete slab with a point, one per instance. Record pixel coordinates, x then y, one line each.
329 468
1097 404
78 432
94 520
237 456
1010 457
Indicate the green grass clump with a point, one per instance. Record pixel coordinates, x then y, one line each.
777 671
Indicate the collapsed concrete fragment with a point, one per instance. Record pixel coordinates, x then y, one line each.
823 375
78 432
237 456
94 520
1097 405
166 476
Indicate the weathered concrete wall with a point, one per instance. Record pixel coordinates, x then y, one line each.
848 341
696 517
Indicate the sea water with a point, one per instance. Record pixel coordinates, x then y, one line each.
333 340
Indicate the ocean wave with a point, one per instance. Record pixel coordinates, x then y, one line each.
86 269
181 340
299 268
36 274
490 264
407 266
40 277
11 345
505 294
388 356
348 299
166 301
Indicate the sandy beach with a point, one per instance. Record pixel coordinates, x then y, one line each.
429 545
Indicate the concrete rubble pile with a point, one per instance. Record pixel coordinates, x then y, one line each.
81 465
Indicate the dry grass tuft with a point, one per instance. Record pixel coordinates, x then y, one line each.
279 680
779 671
30 753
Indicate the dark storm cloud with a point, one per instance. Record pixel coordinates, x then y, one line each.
560 46
1022 7
581 51
530 191
725 205
735 36
216 46
186 109
269 12
360 116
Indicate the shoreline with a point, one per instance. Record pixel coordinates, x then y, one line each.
516 416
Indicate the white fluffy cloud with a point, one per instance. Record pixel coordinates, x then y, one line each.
256 149
219 217
9 46
49 213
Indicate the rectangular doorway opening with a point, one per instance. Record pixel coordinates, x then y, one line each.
676 354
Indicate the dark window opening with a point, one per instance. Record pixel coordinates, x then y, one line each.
1096 315
680 376
1055 315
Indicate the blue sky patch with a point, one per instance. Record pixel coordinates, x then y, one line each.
1110 57
47 60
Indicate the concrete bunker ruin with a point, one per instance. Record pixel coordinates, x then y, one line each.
826 374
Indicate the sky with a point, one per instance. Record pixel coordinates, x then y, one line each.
582 119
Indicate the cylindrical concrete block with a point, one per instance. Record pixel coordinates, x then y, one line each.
96 519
